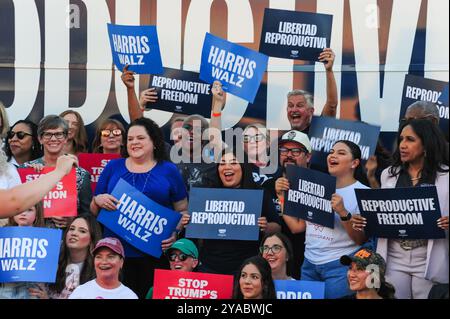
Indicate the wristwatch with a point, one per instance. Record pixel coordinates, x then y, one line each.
346 217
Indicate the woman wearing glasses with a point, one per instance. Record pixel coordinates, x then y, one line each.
53 136
110 138
277 250
22 143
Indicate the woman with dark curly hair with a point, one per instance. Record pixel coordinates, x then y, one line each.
22 143
254 280
148 170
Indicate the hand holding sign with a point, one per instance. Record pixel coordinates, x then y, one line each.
358 222
65 163
219 97
127 77
337 203
281 186
106 201
147 96
443 222
262 224
327 57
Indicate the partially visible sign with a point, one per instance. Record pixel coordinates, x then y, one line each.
61 201
29 254
177 284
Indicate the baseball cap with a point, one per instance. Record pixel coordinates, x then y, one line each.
363 258
112 243
296 136
185 246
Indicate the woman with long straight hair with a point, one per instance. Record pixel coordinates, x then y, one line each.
324 246
414 265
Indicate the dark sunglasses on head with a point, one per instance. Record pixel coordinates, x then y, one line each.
116 132
181 257
20 135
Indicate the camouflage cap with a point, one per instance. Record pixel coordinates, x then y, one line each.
364 258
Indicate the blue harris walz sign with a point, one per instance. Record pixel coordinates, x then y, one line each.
299 289
181 92
325 131
417 88
295 35
239 69
29 254
136 46
406 213
309 196
224 213
138 220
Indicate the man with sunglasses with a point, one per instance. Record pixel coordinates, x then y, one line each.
182 255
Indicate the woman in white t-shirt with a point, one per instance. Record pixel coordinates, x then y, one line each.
108 260
324 246
76 264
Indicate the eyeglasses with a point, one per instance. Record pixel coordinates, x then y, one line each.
181 257
20 135
295 151
275 249
256 138
107 133
58 135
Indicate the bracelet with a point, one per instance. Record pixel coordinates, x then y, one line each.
216 114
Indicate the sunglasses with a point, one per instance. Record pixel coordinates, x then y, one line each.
275 249
20 135
181 257
294 151
107 133
257 138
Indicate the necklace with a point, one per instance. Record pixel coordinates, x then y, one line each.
146 177
145 182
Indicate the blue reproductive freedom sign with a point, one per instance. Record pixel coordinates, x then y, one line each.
136 46
299 289
295 35
309 196
239 69
138 220
29 254
230 214
406 213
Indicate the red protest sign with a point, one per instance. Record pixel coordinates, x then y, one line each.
177 284
94 164
61 201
